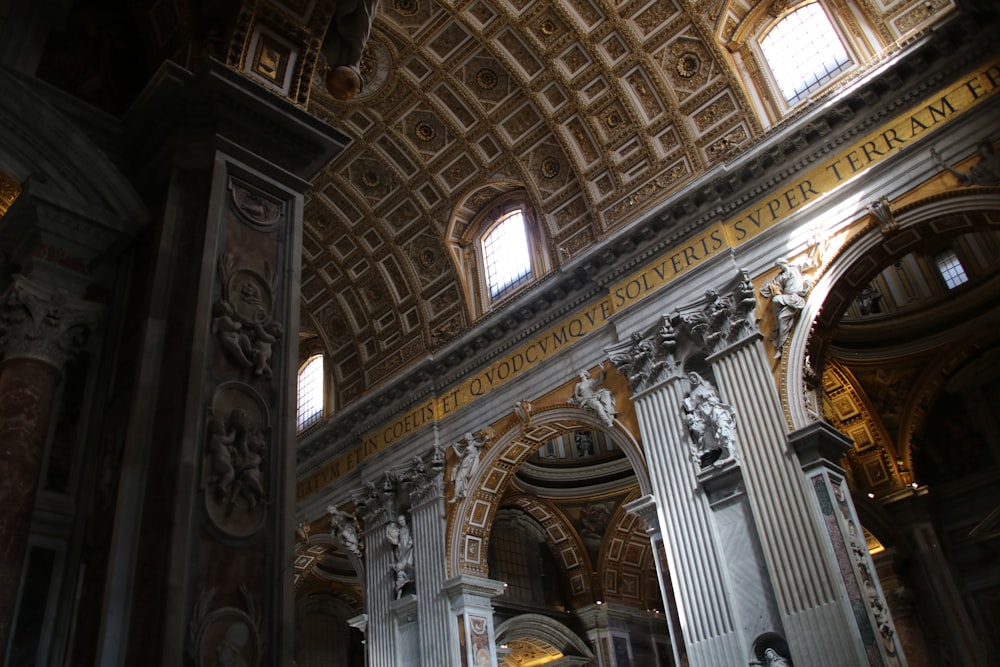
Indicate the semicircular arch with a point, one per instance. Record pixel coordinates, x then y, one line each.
468 538
545 629
854 266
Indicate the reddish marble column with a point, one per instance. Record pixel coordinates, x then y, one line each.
39 330
27 392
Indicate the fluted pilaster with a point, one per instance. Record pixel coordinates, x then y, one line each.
814 614
645 508
703 600
437 640
376 511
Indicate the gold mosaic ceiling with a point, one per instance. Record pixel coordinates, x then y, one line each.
595 109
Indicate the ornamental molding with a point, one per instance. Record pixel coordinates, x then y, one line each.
720 320
37 322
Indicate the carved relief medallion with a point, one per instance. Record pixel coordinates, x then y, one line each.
235 459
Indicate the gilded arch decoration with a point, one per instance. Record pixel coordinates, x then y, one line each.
471 519
854 265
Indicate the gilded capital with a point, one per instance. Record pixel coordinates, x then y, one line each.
42 323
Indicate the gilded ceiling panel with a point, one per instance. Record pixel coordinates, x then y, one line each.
598 111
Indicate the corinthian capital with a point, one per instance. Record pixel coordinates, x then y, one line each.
42 323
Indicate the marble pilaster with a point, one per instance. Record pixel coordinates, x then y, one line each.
866 617
472 612
377 508
645 508
202 535
438 645
702 596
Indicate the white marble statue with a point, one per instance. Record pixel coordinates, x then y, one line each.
711 422
468 461
344 527
589 395
787 293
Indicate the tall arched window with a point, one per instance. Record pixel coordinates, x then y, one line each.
804 52
501 251
506 255
311 398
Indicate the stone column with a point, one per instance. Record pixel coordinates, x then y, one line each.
703 598
947 624
737 509
39 330
438 645
377 508
471 602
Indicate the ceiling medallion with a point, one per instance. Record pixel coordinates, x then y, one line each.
486 78
427 258
370 179
548 27
550 167
424 131
688 65
613 120
405 7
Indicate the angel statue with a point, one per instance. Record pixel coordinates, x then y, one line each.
398 535
468 461
589 395
787 294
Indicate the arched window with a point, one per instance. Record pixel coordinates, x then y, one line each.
506 255
500 251
804 52
311 398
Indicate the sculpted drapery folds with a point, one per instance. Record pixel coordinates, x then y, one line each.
468 450
590 396
787 293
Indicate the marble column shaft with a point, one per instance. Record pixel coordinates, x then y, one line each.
815 617
27 394
437 635
379 592
703 600
38 332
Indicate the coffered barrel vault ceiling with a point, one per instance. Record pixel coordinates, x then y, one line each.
597 110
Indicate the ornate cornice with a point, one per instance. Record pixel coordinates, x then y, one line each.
39 323
708 326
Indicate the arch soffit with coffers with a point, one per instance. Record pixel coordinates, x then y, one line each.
469 525
857 262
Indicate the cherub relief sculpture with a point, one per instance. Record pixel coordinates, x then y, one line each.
242 319
711 423
234 452
590 396
787 293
